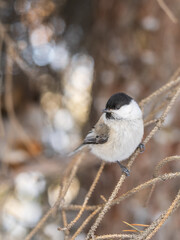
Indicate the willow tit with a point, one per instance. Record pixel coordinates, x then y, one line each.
118 132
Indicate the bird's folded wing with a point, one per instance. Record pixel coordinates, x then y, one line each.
98 135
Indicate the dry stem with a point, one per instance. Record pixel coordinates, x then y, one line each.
169 13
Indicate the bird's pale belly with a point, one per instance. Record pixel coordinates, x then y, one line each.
121 146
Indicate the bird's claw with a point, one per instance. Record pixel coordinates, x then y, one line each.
124 169
141 147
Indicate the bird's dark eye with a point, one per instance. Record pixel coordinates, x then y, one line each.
108 115
118 106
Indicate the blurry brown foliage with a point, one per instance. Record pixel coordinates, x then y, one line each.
134 46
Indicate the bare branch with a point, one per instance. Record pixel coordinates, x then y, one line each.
166 9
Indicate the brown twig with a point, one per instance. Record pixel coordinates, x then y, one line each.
156 173
146 124
60 200
174 80
106 208
163 162
64 218
85 223
166 9
1 86
17 127
86 198
161 178
130 225
15 55
150 194
116 236
154 227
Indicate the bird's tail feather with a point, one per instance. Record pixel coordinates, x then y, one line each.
76 150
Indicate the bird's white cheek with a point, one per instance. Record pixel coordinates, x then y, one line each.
130 111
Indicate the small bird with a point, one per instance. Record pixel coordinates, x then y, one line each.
118 132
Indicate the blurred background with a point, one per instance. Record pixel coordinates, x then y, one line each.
59 63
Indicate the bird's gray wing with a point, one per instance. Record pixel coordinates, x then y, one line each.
98 135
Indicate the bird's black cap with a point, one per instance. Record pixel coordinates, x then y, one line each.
118 100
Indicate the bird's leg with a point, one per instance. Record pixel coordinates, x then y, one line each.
124 169
141 147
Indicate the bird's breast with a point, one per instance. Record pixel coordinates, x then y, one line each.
123 139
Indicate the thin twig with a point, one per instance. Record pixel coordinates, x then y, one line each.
150 194
151 122
9 100
175 79
86 198
2 132
16 57
136 229
116 236
60 200
156 173
166 9
161 178
163 162
106 208
154 227
64 218
85 223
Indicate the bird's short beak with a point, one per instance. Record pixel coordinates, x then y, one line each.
106 111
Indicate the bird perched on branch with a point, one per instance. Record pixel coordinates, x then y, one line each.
118 132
